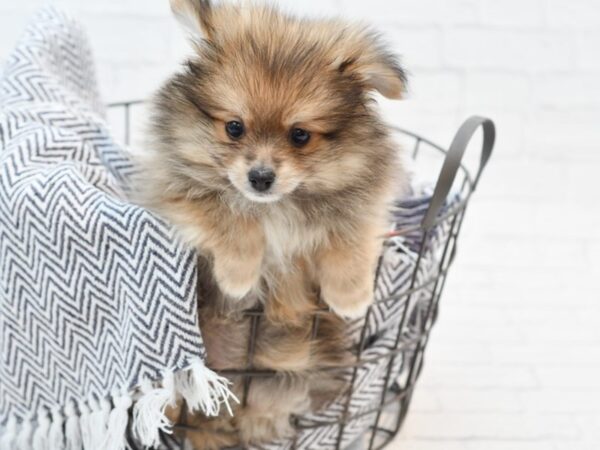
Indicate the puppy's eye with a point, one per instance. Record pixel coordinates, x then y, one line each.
235 129
300 137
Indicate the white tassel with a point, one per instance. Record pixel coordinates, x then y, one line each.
72 428
85 425
40 435
9 435
24 436
204 390
117 423
100 412
56 437
149 411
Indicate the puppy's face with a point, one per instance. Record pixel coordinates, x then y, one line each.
271 105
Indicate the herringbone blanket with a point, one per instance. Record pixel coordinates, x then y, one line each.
97 295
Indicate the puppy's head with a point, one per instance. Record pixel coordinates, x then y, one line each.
271 106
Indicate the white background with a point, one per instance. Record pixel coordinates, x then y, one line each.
514 361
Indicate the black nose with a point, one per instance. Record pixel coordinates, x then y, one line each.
261 179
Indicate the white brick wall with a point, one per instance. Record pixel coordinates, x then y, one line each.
514 363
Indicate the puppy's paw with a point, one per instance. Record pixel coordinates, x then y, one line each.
351 305
236 280
233 288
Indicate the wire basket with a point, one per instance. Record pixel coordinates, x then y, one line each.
401 360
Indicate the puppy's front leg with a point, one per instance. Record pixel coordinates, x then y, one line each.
346 273
236 243
238 255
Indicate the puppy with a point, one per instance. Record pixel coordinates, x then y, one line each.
270 157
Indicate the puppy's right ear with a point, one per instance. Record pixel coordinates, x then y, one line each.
196 16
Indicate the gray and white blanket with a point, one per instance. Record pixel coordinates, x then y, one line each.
97 295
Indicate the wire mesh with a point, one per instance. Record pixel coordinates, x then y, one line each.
413 332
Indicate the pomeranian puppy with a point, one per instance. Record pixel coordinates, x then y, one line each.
269 155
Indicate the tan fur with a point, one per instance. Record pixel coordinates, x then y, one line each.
317 231
287 347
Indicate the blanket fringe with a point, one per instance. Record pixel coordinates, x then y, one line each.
115 438
24 435
40 435
10 434
149 417
85 426
101 424
204 390
72 428
56 437
100 412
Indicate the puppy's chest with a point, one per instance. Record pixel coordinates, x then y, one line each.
288 236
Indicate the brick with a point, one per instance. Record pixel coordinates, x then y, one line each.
485 376
581 178
588 43
590 423
419 47
434 91
576 445
556 401
568 90
514 287
460 12
437 126
311 8
528 314
593 257
473 340
525 252
469 352
425 400
582 377
414 12
508 49
416 444
402 11
574 220
133 8
513 444
521 185
13 24
499 216
480 401
579 336
498 90
472 426
519 13
547 352
573 13
561 135
130 40
126 85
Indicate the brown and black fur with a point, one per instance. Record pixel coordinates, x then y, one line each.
318 229
298 353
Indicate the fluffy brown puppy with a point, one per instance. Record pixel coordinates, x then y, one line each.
270 157
267 146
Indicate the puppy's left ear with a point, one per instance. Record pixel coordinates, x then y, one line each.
374 65
196 16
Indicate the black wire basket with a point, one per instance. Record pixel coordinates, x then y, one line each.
399 358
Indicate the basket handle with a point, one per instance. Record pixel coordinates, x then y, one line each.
454 159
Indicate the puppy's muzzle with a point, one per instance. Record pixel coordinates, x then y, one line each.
261 179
